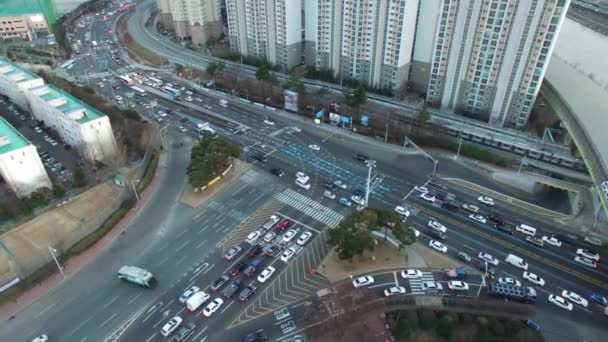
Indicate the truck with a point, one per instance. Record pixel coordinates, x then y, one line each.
137 276
196 300
525 294
232 288
253 268
202 128
457 273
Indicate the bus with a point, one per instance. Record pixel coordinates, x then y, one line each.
68 64
138 91
156 83
172 91
125 80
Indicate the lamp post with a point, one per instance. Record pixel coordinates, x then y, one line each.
370 165
135 189
53 251
162 137
459 145
523 160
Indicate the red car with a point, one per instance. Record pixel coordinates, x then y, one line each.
238 268
284 224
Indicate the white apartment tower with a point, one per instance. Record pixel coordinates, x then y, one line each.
267 29
198 20
489 57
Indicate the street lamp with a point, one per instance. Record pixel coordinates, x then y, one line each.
370 165
53 251
428 156
162 137
135 189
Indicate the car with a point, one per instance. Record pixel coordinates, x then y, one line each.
345 202
470 208
588 254
270 236
41 338
329 185
171 326
329 194
360 157
221 281
585 261
436 226
428 197
238 268
340 184
183 332
509 280
357 199
593 240
411 274
486 200
189 98
552 240
431 286
421 189
303 239
402 211
271 250
598 298
266 273
188 92
254 251
289 235
232 252
284 224
363 281
257 336
252 237
478 218
296 129
394 291
188 293
359 193
213 306
488 257
458 285
561 302
269 122
533 278
302 176
288 254
277 172
575 298
360 207
198 99
247 292
314 147
438 246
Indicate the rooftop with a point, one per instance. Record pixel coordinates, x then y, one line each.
13 137
15 72
19 7
67 103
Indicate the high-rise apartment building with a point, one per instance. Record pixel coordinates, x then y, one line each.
268 29
198 20
488 57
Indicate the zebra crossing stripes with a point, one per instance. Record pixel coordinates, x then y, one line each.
310 207
416 284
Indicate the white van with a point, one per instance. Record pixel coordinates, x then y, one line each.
196 300
525 229
302 184
517 262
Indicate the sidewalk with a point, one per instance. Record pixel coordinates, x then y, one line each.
10 309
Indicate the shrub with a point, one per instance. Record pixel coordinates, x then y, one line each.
446 325
427 319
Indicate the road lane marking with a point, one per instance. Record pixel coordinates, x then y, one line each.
468 247
378 285
182 259
44 310
163 261
134 298
199 334
110 302
203 229
208 269
202 243
151 337
108 320
396 279
182 245
152 310
80 326
226 307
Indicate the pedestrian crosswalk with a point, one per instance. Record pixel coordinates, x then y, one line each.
416 284
310 207
226 210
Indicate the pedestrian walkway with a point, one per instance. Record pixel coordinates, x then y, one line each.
310 207
416 284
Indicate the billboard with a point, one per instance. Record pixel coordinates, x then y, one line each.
364 120
333 117
291 100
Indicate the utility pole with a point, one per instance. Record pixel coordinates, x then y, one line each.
370 165
53 251
459 145
523 160
135 190
387 123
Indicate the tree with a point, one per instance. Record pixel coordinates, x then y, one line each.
215 70
446 325
350 240
262 74
423 114
323 91
58 190
209 159
355 97
6 213
295 84
79 178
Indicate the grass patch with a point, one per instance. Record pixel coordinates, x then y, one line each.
149 173
135 50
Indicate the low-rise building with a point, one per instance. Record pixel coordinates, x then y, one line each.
20 165
22 20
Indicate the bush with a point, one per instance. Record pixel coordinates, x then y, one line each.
497 328
427 319
446 325
149 173
58 191
466 319
79 178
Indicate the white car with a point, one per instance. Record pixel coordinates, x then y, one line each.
357 199
41 338
162 114
314 147
588 254
213 307
509 281
288 254
363 281
303 239
561 302
340 185
252 237
458 285
478 218
438 246
297 129
189 99
272 220
575 298
290 235
118 98
266 273
533 278
329 194
269 122
270 236
428 197
552 240
486 200
302 177
170 326
585 261
431 286
437 226
402 211
394 291
188 293
488 257
471 208
411 274
421 188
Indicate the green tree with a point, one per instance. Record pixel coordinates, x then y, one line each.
6 213
427 319
215 70
209 159
58 190
79 178
355 97
295 84
350 240
263 75
446 325
423 114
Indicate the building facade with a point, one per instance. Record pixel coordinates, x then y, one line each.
14 80
195 20
20 165
489 57
28 26
267 29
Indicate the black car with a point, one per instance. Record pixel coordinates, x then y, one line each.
361 157
247 292
359 193
271 250
504 228
254 251
276 172
184 332
259 157
329 185
256 337
221 281
238 268
497 220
